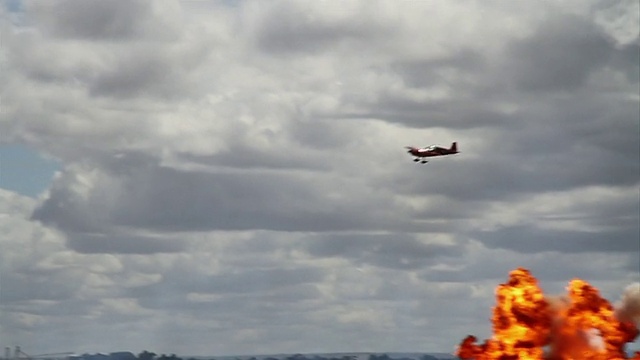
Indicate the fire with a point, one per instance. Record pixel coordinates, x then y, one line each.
580 326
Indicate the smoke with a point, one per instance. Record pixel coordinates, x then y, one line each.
565 339
628 308
594 339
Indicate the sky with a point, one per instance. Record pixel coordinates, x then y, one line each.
24 171
230 177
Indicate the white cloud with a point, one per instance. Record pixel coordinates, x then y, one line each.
237 173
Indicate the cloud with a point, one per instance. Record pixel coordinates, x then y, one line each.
395 251
266 281
195 200
289 27
561 55
122 243
107 21
537 240
236 171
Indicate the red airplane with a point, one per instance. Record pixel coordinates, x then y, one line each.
431 151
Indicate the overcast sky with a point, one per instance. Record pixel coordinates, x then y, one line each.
232 179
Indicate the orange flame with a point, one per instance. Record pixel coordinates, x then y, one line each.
581 326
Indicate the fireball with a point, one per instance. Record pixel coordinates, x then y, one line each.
579 326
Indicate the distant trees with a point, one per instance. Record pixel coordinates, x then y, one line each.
379 357
146 355
428 357
386 357
317 357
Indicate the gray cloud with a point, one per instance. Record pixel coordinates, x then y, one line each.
135 75
122 244
395 251
77 217
29 286
237 172
549 266
460 65
240 282
626 59
536 240
225 201
150 70
103 20
554 149
561 55
193 200
288 28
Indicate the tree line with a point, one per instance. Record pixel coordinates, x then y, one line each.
146 355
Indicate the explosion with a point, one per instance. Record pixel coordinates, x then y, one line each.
580 326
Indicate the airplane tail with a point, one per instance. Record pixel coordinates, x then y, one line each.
454 147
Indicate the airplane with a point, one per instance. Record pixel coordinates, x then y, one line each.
430 151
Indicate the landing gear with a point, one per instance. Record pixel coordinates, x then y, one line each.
416 160
423 161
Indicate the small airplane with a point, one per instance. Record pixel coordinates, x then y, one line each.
430 151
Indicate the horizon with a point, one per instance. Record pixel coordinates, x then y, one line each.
241 356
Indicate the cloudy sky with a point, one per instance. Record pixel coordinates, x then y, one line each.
229 177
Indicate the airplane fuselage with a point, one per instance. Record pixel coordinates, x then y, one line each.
432 151
429 153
